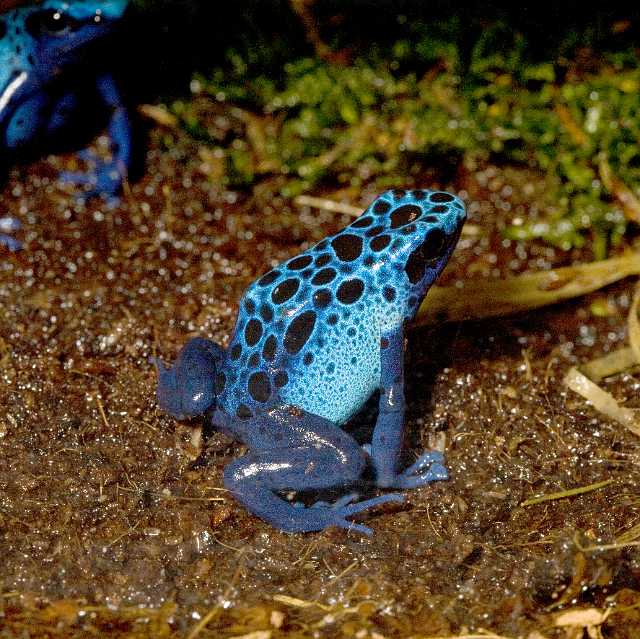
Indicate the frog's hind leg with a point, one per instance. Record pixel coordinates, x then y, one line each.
295 450
187 388
386 446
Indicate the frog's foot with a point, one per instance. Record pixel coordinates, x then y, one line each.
344 507
428 467
104 178
337 513
310 453
9 225
322 514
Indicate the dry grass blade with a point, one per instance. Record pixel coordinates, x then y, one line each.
581 617
563 494
625 196
630 535
159 115
217 609
570 125
633 324
491 298
328 205
475 635
616 362
294 602
602 401
610 364
343 208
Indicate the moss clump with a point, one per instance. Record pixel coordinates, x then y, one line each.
389 115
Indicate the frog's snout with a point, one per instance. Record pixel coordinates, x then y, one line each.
188 388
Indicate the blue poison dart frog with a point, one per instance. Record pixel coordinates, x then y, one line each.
314 339
43 48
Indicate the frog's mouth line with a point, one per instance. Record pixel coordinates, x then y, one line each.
7 97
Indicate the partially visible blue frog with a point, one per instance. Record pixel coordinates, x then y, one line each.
315 338
42 48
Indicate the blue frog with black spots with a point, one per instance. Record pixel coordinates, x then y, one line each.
43 48
314 339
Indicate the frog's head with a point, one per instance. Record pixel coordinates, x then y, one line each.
188 388
38 41
417 230
438 228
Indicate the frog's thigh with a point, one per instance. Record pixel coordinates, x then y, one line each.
311 451
292 451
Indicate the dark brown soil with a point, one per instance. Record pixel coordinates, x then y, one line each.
108 526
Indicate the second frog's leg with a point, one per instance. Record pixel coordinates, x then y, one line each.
386 446
107 176
291 449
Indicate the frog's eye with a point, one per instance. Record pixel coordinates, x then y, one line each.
50 22
3 29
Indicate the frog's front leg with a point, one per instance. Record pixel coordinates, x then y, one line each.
386 445
291 449
21 129
107 175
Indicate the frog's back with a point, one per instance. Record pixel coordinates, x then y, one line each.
309 332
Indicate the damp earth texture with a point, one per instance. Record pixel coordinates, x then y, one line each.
114 516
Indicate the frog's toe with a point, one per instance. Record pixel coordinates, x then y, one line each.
9 225
340 503
86 182
353 509
325 515
87 155
345 500
342 512
429 467
10 243
77 178
109 179
428 458
105 181
349 525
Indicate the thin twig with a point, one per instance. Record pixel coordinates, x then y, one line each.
567 493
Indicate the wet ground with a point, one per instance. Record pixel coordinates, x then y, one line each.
109 525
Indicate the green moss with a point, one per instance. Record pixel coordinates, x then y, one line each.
382 117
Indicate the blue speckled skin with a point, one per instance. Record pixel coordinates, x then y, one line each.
314 339
42 47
